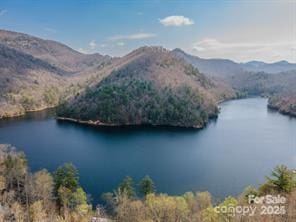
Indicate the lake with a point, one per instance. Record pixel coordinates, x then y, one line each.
240 148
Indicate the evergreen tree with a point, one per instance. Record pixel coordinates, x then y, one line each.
127 186
66 176
146 186
281 179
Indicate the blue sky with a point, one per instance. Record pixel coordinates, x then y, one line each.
238 30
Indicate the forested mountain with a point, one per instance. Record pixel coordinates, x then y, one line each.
275 80
27 83
150 86
258 83
34 73
55 53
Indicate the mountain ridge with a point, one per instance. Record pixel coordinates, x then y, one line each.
36 74
51 51
152 86
224 65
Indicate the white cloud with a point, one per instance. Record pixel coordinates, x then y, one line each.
136 36
120 43
92 44
3 11
176 20
243 51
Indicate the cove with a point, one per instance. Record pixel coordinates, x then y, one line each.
240 148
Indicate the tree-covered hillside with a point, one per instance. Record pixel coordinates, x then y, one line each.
151 81
27 83
284 104
265 83
274 80
35 73
154 88
139 102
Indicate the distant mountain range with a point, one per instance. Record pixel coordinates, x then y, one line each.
277 67
150 85
225 68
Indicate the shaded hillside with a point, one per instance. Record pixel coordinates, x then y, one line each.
53 52
15 61
35 73
27 83
151 86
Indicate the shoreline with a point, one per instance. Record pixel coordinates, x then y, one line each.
98 123
102 124
26 112
277 109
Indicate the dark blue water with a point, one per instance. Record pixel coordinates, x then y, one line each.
239 149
